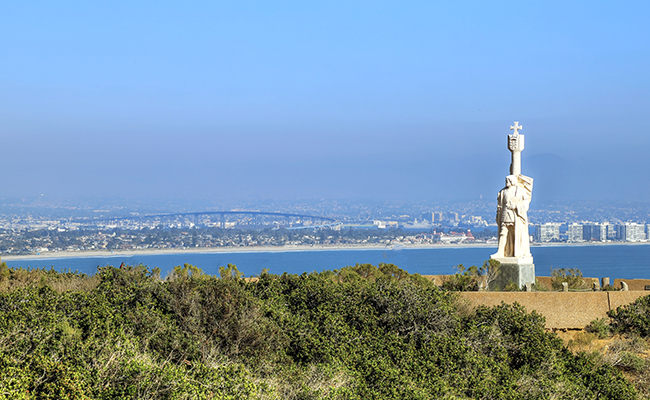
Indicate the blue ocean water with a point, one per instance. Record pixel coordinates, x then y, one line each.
615 261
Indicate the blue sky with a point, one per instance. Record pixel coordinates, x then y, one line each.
310 99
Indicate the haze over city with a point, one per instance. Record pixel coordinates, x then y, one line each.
338 100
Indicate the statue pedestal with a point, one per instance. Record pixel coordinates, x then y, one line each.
518 270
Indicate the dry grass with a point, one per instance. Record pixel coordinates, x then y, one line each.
581 340
628 353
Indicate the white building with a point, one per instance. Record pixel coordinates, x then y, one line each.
631 232
575 233
547 232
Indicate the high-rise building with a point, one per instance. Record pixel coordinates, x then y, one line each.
547 232
435 217
594 232
574 233
631 232
612 232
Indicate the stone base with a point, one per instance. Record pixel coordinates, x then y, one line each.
518 270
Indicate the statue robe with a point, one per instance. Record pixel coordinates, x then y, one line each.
512 214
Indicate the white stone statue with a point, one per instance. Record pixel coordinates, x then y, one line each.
512 217
515 260
512 204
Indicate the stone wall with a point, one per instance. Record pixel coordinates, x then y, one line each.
545 281
618 299
562 310
570 310
632 284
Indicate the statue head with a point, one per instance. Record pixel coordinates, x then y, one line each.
511 180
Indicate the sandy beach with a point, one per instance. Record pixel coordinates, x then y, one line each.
288 248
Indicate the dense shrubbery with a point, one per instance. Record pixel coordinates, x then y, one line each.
474 278
361 332
600 328
632 318
571 276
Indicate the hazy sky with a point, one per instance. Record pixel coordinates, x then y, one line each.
309 99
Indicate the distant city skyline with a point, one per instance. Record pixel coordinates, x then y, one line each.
342 100
477 213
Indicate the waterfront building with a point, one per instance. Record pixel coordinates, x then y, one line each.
547 232
631 232
575 233
385 224
594 232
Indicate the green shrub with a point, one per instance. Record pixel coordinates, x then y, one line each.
599 380
572 276
632 318
363 332
473 278
185 271
511 287
599 327
631 361
465 280
371 273
538 287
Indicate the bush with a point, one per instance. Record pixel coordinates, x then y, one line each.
368 272
571 276
538 287
15 278
632 318
363 332
511 287
599 327
465 280
473 278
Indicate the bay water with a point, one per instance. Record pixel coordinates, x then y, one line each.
614 261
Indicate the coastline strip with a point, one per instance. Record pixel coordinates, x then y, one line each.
277 249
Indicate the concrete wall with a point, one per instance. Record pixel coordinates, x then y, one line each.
618 299
632 284
571 310
437 279
545 281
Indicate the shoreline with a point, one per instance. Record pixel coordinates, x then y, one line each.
227 250
279 249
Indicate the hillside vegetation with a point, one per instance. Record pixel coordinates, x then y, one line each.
361 332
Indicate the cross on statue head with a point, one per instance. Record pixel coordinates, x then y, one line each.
516 127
